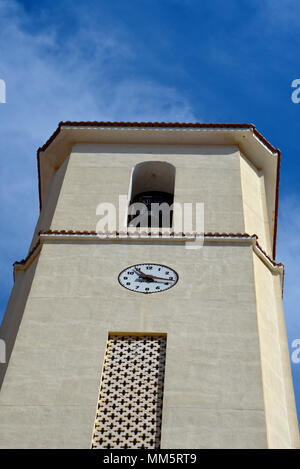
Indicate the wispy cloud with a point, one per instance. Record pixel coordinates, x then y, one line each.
48 80
88 72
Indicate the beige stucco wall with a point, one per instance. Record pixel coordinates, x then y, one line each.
223 319
213 391
282 425
50 202
100 173
14 312
254 203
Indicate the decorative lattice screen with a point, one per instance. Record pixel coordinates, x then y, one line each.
131 393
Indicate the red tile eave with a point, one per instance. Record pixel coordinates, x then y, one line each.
192 125
149 234
206 235
23 261
276 204
171 125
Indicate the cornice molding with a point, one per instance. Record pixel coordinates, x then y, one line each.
66 136
136 236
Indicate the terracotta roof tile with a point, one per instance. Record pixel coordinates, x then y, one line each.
160 233
172 125
183 125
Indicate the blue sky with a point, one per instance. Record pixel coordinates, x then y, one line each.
171 60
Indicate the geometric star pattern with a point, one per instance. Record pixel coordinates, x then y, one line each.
130 401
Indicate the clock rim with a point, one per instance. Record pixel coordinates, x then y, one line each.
148 292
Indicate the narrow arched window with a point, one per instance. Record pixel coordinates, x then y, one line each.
152 195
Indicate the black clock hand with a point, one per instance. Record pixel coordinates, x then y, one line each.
139 272
160 278
153 276
162 281
144 276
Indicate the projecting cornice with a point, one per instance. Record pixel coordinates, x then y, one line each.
136 236
246 137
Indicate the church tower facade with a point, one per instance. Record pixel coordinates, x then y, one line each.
148 337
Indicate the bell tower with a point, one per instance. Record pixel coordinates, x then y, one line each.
150 335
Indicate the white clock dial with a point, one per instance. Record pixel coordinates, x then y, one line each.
148 278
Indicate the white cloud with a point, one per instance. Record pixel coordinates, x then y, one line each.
47 80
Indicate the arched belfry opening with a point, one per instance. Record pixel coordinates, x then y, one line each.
152 195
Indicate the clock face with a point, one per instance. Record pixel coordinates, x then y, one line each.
148 278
